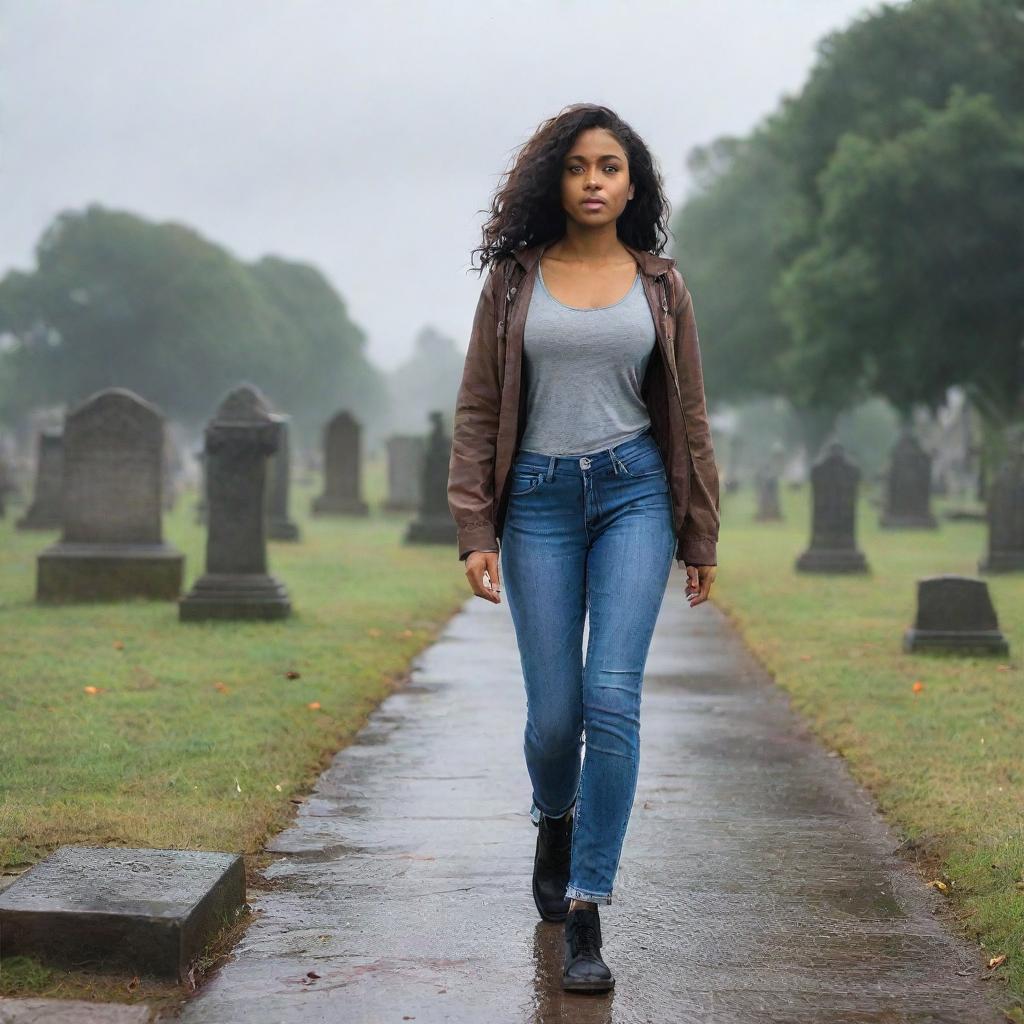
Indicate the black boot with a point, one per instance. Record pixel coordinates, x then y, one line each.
551 866
584 970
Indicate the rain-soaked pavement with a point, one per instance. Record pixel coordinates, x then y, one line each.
756 882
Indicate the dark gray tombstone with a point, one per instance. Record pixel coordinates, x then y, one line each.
434 523
342 461
147 911
236 585
405 454
45 511
112 546
279 524
955 613
833 547
1006 513
908 487
201 501
768 509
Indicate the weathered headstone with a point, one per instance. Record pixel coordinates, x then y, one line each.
279 524
1006 513
342 461
768 509
200 510
833 547
434 523
955 613
147 911
236 585
405 454
45 511
112 544
908 487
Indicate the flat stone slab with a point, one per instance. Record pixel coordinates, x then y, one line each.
757 883
70 1011
98 907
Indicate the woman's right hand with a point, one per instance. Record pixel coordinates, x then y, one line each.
477 564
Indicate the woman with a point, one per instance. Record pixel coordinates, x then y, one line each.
581 444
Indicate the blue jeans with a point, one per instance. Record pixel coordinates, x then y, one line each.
586 534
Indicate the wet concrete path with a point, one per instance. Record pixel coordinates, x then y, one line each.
756 882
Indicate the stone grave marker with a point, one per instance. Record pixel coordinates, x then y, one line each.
955 613
405 454
767 484
45 511
342 461
279 524
112 546
236 585
434 523
141 910
833 547
907 487
1006 513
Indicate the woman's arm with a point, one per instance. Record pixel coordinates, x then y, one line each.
699 536
475 431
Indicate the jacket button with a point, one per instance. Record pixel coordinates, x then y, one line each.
512 291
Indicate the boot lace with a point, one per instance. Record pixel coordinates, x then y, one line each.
585 935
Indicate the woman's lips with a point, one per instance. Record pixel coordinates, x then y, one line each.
593 204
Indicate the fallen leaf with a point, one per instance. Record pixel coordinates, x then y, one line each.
119 646
312 974
133 984
918 686
997 960
222 687
374 632
92 690
935 883
805 657
291 674
278 787
313 705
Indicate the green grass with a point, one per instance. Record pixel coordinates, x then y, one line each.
198 739
946 764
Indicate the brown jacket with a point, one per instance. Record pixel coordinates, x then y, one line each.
490 420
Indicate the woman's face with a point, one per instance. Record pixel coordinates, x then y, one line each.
595 168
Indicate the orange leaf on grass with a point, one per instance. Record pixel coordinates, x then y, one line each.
91 690
291 674
313 705
918 686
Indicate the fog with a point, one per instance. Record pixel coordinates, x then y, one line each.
364 139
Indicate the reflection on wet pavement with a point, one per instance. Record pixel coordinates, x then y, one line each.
756 882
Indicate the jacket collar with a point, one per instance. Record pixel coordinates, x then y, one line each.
649 263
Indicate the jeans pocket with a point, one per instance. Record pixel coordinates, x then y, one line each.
523 482
646 464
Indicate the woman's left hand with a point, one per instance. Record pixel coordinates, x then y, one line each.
698 583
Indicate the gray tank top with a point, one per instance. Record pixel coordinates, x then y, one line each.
583 369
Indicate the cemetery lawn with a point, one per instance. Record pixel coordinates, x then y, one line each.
945 763
200 734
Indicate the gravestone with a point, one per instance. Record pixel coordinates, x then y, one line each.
833 547
768 509
1006 513
112 546
405 454
200 511
147 911
434 523
908 487
45 511
236 585
955 613
279 525
342 459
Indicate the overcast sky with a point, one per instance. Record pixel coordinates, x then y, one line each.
362 138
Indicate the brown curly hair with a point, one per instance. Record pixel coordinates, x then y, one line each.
527 207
